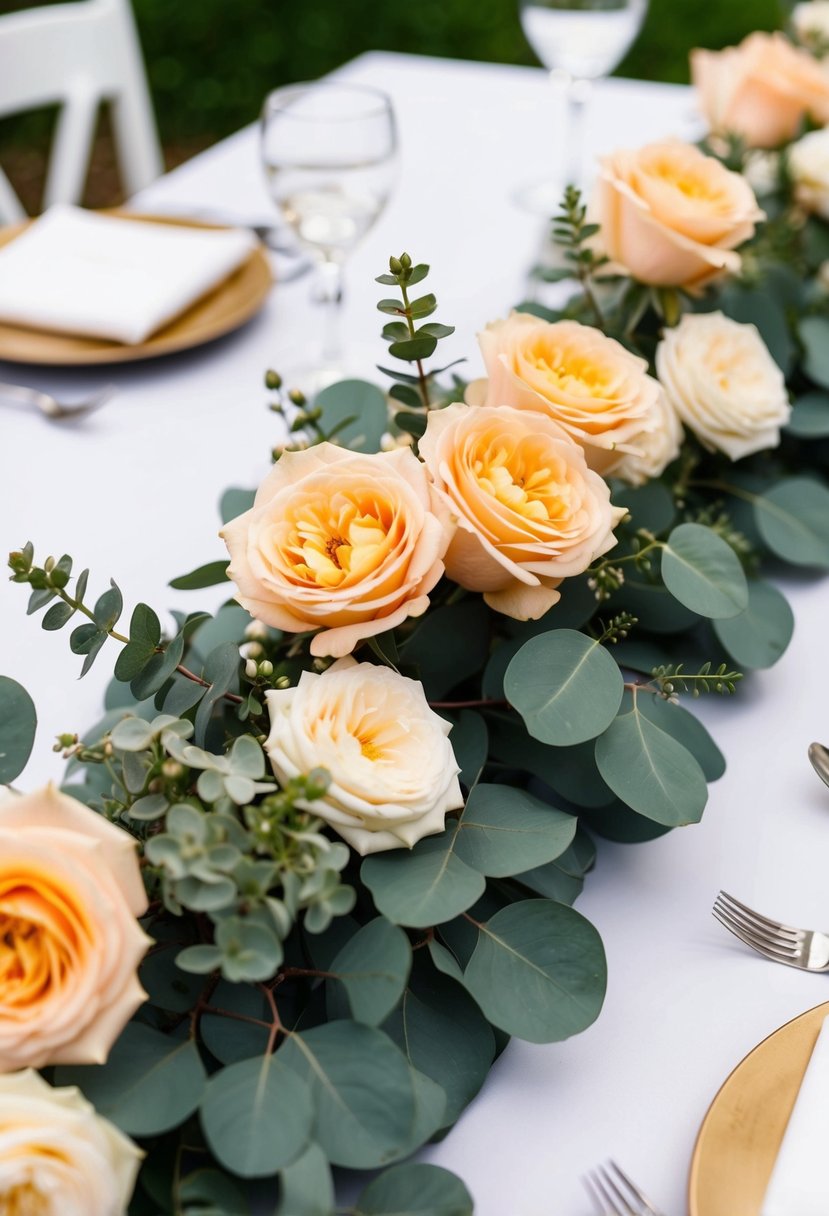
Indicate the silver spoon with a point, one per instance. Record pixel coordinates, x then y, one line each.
50 407
819 756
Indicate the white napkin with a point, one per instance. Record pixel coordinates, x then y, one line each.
799 1184
78 272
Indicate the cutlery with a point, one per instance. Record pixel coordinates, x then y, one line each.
50 407
819 756
805 949
614 1194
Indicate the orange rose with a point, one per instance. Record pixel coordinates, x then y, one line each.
760 90
341 542
594 389
671 216
70 892
530 513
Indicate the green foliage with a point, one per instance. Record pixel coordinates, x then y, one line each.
18 727
703 572
415 1189
759 635
793 520
410 341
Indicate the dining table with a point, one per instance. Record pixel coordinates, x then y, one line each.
132 492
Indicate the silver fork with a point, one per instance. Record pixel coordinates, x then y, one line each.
50 407
806 949
614 1194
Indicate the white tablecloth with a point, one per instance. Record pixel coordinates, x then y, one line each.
132 493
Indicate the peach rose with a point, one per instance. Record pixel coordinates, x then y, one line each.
530 512
656 447
760 90
723 383
344 543
808 164
393 772
57 1156
70 892
671 216
598 392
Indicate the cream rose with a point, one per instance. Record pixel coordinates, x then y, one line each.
723 383
656 447
809 170
393 772
70 892
810 24
760 90
344 543
530 512
57 1156
671 216
598 392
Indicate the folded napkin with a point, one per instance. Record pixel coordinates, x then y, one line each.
799 1184
79 272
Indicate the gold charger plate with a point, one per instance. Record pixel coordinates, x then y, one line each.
741 1134
225 308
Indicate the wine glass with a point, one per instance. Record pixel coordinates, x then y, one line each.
329 152
579 41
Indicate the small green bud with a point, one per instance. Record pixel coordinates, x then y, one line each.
64 741
296 397
172 770
395 265
405 261
250 669
266 668
49 565
273 380
282 682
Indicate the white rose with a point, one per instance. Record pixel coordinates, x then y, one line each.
809 170
810 22
723 383
393 772
58 1157
656 446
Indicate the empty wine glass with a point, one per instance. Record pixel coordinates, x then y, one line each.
329 154
579 41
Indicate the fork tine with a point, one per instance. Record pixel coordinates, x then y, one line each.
615 1194
596 1195
634 1190
749 940
761 934
609 1205
771 924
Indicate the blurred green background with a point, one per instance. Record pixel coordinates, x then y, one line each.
210 62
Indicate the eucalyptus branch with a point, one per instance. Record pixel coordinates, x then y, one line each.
670 678
572 234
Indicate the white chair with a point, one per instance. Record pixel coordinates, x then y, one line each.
78 55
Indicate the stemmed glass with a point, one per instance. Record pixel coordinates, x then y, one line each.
329 154
579 41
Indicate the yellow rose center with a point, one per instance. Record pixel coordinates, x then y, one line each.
578 376
38 940
24 1200
332 542
520 477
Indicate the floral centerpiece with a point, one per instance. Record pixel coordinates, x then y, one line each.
318 860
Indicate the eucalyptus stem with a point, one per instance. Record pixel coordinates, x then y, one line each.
79 606
423 379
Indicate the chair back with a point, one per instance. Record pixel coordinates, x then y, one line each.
78 55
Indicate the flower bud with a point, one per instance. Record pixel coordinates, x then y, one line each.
250 669
282 682
405 261
395 265
272 379
266 668
251 650
256 631
172 770
296 397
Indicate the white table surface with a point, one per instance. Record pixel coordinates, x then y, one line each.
132 493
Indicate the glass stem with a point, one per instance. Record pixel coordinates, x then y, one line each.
328 292
578 97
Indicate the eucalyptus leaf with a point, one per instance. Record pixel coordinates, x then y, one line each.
57 616
538 971
158 669
618 822
203 576
448 645
810 416
651 506
362 1091
229 1038
18 727
415 1189
505 830
761 633
687 729
814 334
150 1083
424 886
307 1186
793 519
703 572
373 968
257 1116
235 502
650 771
565 685
470 743
361 401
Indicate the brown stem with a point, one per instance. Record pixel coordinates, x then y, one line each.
276 1024
191 675
238 1017
485 703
